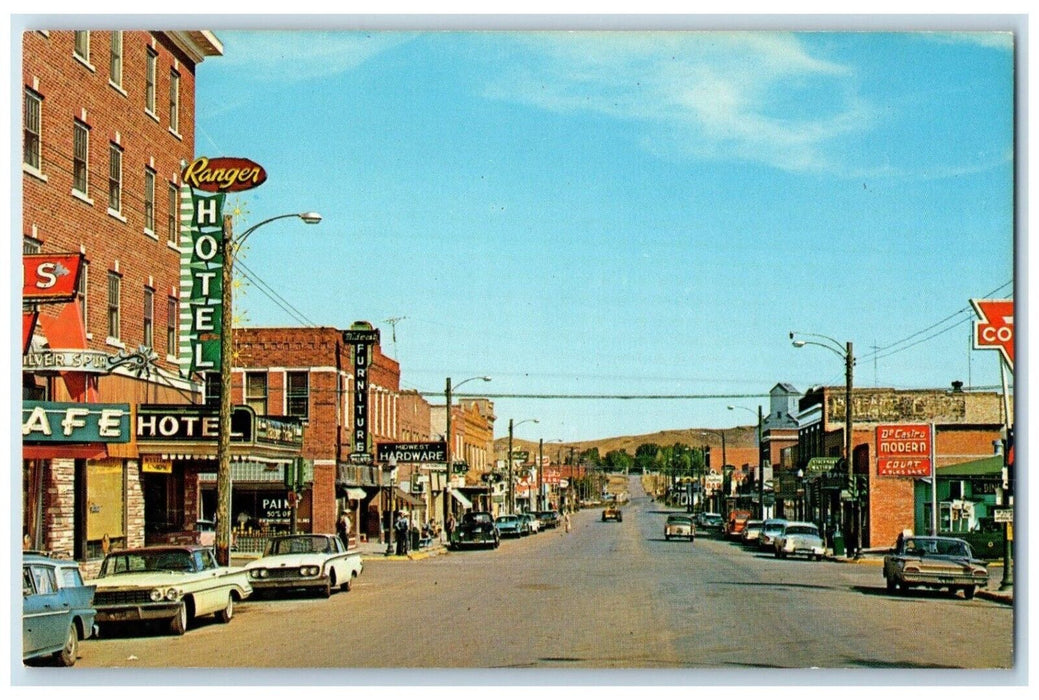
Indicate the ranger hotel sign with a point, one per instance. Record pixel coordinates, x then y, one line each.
412 452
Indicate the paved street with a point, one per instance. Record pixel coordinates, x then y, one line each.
608 595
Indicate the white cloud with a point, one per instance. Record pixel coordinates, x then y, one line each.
752 95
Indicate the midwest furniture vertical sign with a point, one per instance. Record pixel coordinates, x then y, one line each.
205 184
361 337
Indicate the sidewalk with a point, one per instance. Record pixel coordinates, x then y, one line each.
374 550
991 592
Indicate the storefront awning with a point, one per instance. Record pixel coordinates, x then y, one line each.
465 502
64 451
403 495
356 494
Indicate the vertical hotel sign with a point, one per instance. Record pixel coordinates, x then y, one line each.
205 184
361 337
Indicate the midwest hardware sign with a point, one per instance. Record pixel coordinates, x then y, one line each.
205 184
412 452
50 421
904 450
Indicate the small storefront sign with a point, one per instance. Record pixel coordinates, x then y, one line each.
412 452
51 421
49 277
904 450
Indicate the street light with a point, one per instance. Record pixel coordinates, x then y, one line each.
803 495
540 467
447 474
848 356
512 487
230 247
761 462
390 470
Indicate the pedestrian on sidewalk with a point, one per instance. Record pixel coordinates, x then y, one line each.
566 522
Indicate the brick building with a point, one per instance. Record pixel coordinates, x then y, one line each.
966 424
108 121
472 449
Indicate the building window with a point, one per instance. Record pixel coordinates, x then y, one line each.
31 141
149 317
31 246
212 389
256 392
172 317
115 178
297 391
172 229
81 48
114 283
149 81
80 156
81 294
149 200
115 60
174 102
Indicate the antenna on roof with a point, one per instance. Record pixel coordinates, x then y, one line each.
393 333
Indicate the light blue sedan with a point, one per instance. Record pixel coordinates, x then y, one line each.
57 609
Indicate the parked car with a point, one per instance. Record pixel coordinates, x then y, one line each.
769 530
751 532
800 538
57 609
712 522
315 562
533 524
173 584
612 512
679 526
934 562
475 530
549 519
509 525
735 523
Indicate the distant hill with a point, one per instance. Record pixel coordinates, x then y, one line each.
738 440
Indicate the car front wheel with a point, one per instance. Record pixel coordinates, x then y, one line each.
179 622
968 591
224 616
68 653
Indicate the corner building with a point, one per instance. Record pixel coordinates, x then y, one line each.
108 122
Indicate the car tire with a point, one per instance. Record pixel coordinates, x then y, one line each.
224 616
968 592
179 622
67 656
325 591
667 537
890 584
346 585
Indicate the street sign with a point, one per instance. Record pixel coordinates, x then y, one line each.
1003 515
995 330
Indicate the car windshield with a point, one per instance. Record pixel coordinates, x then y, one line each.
139 561
802 530
506 519
944 548
477 518
302 544
774 525
680 519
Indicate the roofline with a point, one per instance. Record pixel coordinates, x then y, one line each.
197 44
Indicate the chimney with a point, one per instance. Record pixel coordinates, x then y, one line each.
957 387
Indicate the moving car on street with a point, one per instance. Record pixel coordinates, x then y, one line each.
171 584
475 530
800 538
549 519
751 532
934 562
679 526
612 512
315 562
735 523
57 609
710 522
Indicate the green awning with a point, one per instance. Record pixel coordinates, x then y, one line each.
990 466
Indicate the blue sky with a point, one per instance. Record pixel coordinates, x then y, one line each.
628 213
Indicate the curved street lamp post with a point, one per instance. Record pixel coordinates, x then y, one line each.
846 354
447 454
761 462
230 247
512 486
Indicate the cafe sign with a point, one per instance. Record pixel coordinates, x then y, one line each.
51 421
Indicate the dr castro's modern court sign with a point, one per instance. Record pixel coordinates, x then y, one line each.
206 181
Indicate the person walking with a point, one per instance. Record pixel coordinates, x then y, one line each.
401 530
566 522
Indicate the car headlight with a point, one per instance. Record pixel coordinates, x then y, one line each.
309 570
173 594
156 594
257 573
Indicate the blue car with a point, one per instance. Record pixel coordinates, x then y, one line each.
509 526
57 609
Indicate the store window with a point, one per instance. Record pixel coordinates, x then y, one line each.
106 507
256 392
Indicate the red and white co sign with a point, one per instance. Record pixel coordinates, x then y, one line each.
995 329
